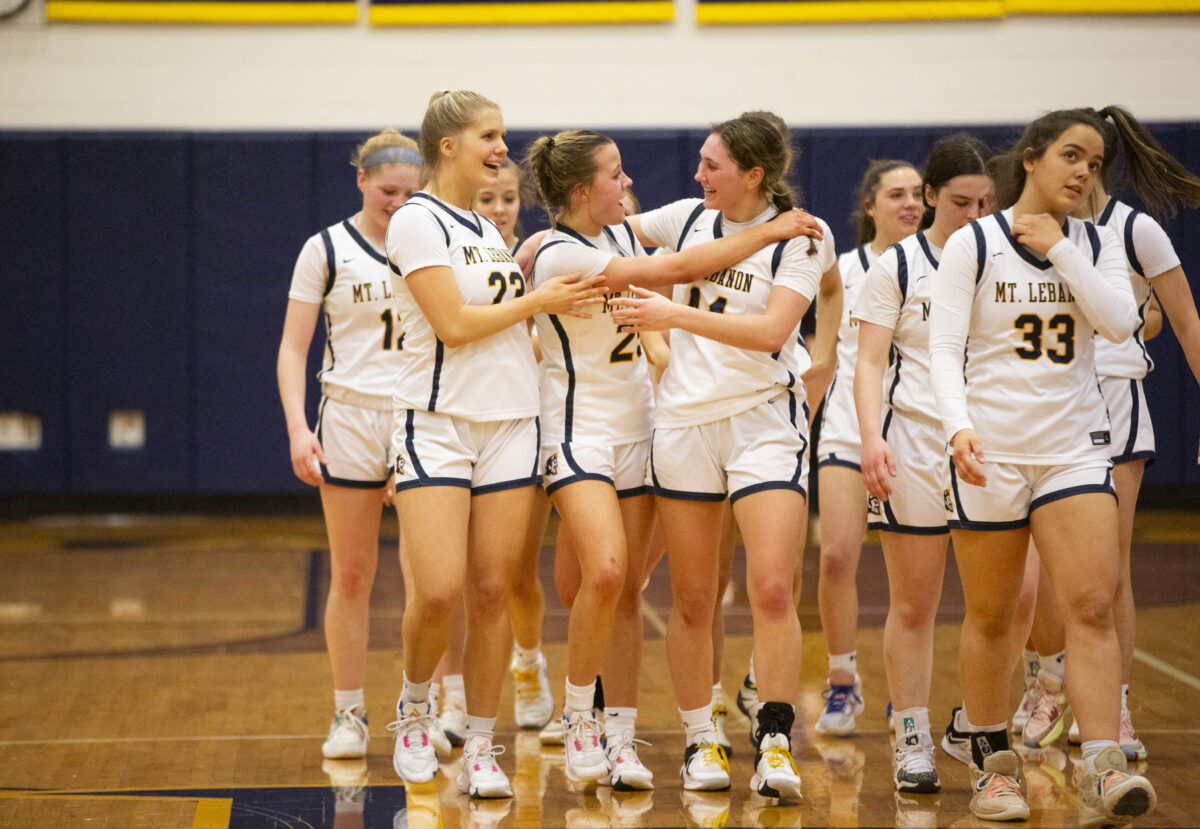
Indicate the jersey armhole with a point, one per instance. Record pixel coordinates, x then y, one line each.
691 220
901 271
1130 248
330 261
1094 238
980 251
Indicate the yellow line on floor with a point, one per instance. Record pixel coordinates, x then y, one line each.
1166 668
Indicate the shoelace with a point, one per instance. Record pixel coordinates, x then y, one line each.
1046 705
624 750
348 718
999 785
837 697
582 729
485 750
710 754
778 757
412 725
915 758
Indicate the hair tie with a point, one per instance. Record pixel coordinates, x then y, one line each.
391 155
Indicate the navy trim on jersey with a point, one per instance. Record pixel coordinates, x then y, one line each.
414 201
473 222
862 258
679 495
544 247
422 478
1147 455
1022 251
1106 214
834 460
897 359
330 479
330 261
964 523
569 364
635 491
1135 412
1094 238
889 525
363 243
691 220
574 234
980 250
923 241
902 270
537 425
608 231
439 357
1084 489
766 486
503 485
1130 252
777 256
633 243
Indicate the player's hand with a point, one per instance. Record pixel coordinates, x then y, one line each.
527 251
568 295
792 223
1037 231
968 457
306 455
878 465
646 311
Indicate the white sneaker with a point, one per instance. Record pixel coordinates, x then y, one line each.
705 768
719 716
414 758
348 735
452 719
916 770
479 775
775 772
843 703
554 733
1025 709
533 703
1110 795
997 788
585 760
626 772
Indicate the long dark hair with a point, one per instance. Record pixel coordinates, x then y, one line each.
960 154
1133 154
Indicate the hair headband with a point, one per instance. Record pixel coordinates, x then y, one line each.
391 155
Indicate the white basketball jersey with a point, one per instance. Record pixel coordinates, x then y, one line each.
1032 393
706 380
1149 253
839 421
595 386
493 378
348 276
828 260
897 294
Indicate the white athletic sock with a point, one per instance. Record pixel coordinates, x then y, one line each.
481 727
348 700
1053 664
910 721
1124 698
844 662
1090 749
718 694
415 691
579 698
452 685
753 680
1030 660
619 720
698 725
526 658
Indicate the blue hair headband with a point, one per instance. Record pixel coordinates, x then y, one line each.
391 155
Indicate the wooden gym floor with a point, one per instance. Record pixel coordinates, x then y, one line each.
169 671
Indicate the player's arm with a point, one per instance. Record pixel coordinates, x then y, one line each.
291 367
874 342
823 346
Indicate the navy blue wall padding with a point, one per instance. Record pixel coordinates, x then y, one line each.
33 330
254 207
129 283
150 271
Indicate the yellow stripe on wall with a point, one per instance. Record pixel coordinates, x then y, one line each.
1102 6
828 12
491 14
200 12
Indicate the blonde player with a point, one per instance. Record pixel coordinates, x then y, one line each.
731 422
1019 295
889 209
465 444
596 421
902 440
342 272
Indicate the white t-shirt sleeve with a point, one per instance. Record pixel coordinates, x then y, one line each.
415 239
663 225
311 272
826 245
798 271
1101 290
1152 247
567 257
879 298
949 322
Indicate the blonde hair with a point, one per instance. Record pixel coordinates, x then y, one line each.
384 140
449 113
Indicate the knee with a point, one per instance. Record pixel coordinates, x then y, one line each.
991 621
606 581
1091 609
912 616
352 581
838 563
772 597
694 608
